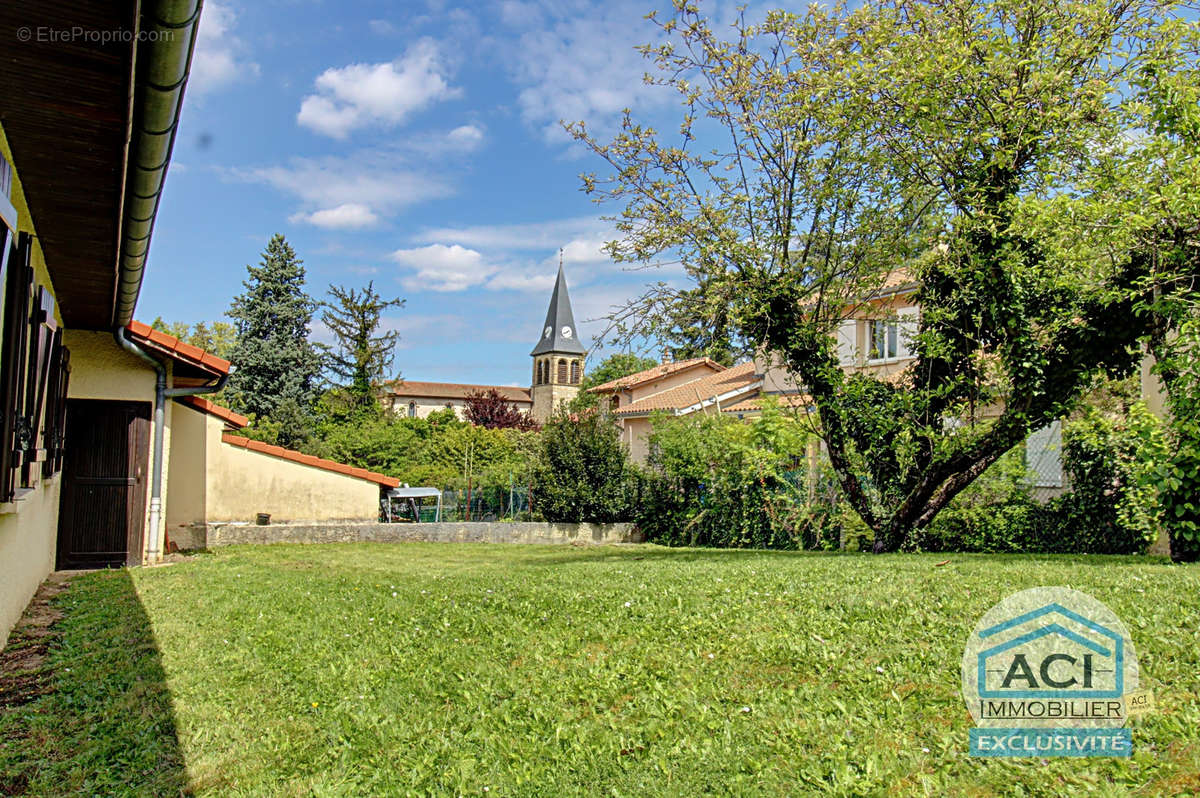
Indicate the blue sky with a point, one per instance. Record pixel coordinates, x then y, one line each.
414 144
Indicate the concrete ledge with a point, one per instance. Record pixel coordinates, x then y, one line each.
201 536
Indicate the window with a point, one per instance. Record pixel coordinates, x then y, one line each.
412 409
562 370
575 372
884 338
616 402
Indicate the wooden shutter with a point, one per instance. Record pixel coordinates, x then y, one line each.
909 321
18 288
54 427
847 342
42 329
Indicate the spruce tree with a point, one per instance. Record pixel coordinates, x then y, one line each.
361 356
276 366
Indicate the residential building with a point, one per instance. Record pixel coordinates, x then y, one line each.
108 455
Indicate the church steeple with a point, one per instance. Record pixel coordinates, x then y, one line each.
558 357
559 333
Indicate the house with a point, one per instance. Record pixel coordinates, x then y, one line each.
109 451
680 388
412 399
875 339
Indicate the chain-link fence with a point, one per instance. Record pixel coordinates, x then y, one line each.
487 503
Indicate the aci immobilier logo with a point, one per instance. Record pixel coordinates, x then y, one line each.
1047 672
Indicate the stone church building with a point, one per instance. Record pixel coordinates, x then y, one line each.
558 367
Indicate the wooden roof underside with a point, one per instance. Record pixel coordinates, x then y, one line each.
65 110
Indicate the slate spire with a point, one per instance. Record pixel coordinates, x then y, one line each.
559 333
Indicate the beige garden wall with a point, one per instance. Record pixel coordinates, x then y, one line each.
242 483
192 436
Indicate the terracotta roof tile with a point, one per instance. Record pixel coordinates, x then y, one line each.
309 460
212 408
731 380
754 403
172 347
658 372
453 390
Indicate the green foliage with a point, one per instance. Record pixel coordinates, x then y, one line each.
361 356
276 366
1176 478
437 451
583 471
720 481
613 367
1111 508
1015 156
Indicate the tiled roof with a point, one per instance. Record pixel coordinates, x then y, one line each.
658 372
172 347
213 409
754 403
900 277
453 390
731 380
309 460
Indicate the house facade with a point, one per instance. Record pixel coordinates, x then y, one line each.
875 339
110 454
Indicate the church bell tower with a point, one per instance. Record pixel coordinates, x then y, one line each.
558 356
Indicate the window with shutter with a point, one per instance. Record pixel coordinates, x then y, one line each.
14 434
54 427
42 329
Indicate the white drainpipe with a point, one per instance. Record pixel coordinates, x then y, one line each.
161 392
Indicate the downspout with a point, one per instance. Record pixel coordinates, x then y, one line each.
161 393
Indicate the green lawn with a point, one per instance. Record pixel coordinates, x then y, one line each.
519 670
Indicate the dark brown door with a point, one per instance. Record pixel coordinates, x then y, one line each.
102 509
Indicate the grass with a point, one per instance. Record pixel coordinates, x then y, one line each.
347 670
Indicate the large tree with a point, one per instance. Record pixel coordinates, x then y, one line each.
276 367
976 143
362 355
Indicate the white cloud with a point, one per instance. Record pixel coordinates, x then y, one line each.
439 267
382 27
347 191
347 216
384 94
217 61
550 234
581 65
466 137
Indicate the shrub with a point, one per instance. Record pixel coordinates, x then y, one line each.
583 471
1111 507
717 481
